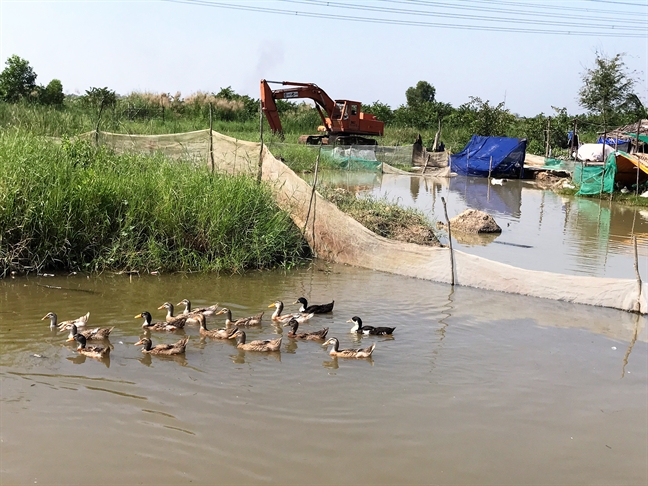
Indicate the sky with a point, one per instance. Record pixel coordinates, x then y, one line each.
530 54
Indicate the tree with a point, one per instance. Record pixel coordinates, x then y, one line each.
17 81
484 119
423 93
606 87
52 94
100 97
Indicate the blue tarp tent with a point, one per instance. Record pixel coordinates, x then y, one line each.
507 153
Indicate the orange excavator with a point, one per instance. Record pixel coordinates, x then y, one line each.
344 122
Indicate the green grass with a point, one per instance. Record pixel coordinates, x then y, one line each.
384 217
629 199
76 207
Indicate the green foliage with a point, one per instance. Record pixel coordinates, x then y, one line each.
100 97
77 207
485 119
17 80
52 94
421 94
380 110
606 87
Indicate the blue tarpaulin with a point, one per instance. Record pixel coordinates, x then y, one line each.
507 157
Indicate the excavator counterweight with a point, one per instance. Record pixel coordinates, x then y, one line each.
344 122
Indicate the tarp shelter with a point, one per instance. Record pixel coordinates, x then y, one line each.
505 154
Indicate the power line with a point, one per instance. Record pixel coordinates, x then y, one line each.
609 31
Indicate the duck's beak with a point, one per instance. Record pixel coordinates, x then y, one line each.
69 339
138 343
137 316
350 320
161 307
271 305
179 303
45 317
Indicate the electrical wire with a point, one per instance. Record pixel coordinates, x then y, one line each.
572 29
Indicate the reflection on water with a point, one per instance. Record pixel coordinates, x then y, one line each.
540 229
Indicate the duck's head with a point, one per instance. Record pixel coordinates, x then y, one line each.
184 302
357 323
239 336
333 341
73 332
224 310
301 301
167 305
278 304
146 342
293 323
52 317
80 338
147 318
201 320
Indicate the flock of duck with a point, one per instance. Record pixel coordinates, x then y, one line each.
233 329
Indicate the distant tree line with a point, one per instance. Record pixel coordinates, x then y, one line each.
607 94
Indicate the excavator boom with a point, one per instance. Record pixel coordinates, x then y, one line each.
341 118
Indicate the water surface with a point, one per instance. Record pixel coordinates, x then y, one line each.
474 387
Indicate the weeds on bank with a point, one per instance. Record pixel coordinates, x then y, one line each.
77 207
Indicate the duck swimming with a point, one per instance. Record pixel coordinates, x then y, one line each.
163 349
78 322
178 321
97 334
315 308
348 353
263 346
243 321
224 333
311 336
205 311
98 352
156 326
358 328
277 315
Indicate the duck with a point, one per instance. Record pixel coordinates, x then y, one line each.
156 326
315 308
98 352
224 333
260 345
311 336
97 334
358 328
243 321
163 349
277 315
205 311
348 353
78 322
178 321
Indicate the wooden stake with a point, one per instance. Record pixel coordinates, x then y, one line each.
310 204
636 267
490 168
211 143
98 120
452 266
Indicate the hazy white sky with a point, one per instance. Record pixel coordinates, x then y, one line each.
191 45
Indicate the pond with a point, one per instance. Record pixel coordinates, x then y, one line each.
541 230
474 387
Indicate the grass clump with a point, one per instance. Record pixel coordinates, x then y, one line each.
383 217
73 206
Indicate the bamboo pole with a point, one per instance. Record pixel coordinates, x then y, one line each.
548 137
452 265
98 121
310 204
638 161
260 170
211 142
636 268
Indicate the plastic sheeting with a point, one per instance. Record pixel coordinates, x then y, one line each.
596 179
593 152
336 237
507 156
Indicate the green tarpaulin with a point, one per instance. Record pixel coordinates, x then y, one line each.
643 138
596 179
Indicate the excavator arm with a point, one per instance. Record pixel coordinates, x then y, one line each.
326 107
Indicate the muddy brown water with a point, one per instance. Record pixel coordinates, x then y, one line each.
474 387
541 230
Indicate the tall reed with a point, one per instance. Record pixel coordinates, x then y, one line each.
76 207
